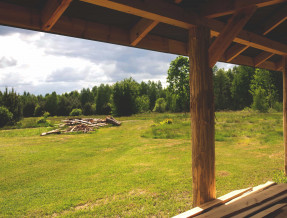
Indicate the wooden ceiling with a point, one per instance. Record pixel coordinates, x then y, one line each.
245 32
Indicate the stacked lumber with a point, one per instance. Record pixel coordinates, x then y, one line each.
82 125
266 200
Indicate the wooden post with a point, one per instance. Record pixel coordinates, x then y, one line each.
284 66
202 116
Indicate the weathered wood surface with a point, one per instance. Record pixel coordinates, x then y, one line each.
221 200
202 116
250 203
230 31
284 65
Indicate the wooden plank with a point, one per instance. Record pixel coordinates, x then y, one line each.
230 31
250 39
261 58
218 8
202 116
276 20
284 71
269 210
141 29
219 201
260 207
177 16
247 202
52 12
234 51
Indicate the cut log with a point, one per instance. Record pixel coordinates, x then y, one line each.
56 131
113 121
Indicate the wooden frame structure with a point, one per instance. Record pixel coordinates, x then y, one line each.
245 32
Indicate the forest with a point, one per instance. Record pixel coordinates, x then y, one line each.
238 88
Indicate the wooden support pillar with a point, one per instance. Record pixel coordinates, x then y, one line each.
284 65
202 116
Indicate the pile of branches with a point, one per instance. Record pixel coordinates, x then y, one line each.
82 125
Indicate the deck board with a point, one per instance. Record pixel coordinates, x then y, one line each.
267 200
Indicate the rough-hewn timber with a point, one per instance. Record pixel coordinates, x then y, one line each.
202 116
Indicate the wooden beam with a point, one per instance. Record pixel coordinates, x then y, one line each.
141 29
218 8
230 31
234 51
174 15
177 1
52 12
31 19
284 71
262 57
202 117
278 18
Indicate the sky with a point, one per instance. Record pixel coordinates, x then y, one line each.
41 63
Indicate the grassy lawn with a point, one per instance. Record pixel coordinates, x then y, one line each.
142 168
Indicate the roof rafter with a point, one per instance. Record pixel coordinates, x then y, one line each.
31 19
177 16
276 20
218 8
52 12
230 31
261 58
234 51
141 29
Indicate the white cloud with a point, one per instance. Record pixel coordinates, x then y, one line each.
40 63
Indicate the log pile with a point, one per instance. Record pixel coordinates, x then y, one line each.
82 125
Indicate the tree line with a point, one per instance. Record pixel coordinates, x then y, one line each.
234 89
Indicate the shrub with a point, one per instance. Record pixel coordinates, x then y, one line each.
5 116
76 112
159 105
259 101
278 106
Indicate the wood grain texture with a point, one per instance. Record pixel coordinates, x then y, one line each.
278 18
177 16
247 203
202 117
52 12
284 71
261 58
230 31
141 29
234 51
218 8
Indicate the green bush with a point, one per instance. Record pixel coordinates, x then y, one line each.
259 101
5 116
76 112
278 106
160 105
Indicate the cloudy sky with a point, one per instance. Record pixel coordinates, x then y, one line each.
41 63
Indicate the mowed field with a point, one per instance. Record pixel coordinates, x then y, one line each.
142 168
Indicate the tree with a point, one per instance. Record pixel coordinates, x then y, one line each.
51 103
5 116
178 80
124 97
142 103
11 100
160 105
103 105
222 92
240 87
263 90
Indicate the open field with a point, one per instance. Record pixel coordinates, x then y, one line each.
137 169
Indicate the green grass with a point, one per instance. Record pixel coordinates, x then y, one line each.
135 170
